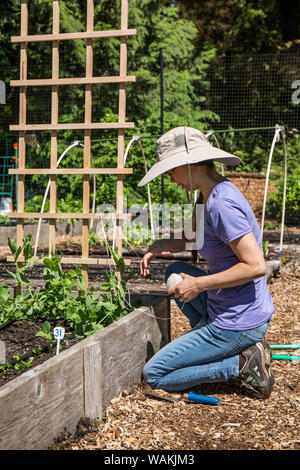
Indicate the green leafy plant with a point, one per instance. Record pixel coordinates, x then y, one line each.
292 200
18 364
45 332
20 276
101 306
64 297
4 220
138 235
94 238
265 248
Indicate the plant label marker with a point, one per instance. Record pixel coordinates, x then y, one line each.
59 333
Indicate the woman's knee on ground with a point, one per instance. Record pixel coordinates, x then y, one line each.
149 376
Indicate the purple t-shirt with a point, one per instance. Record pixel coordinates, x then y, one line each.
227 216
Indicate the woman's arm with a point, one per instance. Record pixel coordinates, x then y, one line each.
166 246
161 248
251 266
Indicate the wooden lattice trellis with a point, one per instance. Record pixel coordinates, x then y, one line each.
87 126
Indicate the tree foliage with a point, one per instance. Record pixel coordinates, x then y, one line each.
189 34
243 26
158 28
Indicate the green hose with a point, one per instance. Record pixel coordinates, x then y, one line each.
285 357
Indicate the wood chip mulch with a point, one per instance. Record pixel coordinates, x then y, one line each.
137 421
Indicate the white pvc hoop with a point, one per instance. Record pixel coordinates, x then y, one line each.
278 130
76 142
137 139
284 188
211 133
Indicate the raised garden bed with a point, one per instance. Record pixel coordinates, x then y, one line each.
21 349
80 381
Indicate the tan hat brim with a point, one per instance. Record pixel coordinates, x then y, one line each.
196 155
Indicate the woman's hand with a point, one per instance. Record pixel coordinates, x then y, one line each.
158 248
187 289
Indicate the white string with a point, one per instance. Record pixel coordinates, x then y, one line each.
106 242
76 142
126 240
147 313
129 302
191 182
114 234
136 138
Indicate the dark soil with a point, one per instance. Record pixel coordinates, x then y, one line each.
20 340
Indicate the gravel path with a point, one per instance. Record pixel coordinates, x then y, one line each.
135 421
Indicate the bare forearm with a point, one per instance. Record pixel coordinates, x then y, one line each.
239 274
251 265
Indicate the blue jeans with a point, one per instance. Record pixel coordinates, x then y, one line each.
206 354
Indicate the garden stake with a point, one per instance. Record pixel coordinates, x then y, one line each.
161 397
59 334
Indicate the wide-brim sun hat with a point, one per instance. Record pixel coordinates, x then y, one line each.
185 145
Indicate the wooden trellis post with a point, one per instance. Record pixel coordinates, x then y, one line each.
22 120
87 134
87 126
54 132
122 116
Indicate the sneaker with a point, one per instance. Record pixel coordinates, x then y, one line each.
256 375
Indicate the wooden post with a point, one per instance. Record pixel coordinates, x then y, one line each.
121 132
54 120
22 120
87 136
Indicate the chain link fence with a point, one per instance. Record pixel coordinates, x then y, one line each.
255 90
245 92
